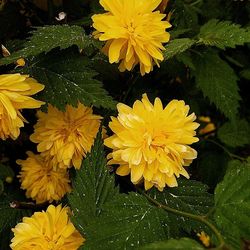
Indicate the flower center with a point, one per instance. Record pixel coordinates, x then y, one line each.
155 141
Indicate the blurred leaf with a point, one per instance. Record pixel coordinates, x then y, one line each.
6 171
177 46
232 199
245 74
212 166
68 79
185 15
1 187
46 38
180 244
235 134
223 34
218 82
93 185
190 196
127 222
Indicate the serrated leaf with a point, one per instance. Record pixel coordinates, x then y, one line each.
181 244
190 196
93 185
10 216
46 38
127 222
177 46
218 82
235 134
232 199
68 79
223 34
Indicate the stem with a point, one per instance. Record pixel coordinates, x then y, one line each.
25 205
192 216
132 81
196 2
226 150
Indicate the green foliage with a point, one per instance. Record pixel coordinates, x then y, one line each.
218 82
1 187
177 46
245 74
232 199
190 196
6 171
128 222
212 165
46 38
10 216
93 185
181 244
68 79
235 134
223 34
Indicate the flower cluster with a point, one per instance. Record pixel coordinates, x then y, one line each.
15 92
63 140
152 143
50 229
133 32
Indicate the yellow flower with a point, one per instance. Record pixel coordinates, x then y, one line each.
208 126
133 32
15 92
47 230
151 142
41 181
66 137
204 238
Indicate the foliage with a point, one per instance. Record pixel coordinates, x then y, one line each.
223 34
177 46
93 186
235 134
223 92
68 79
206 64
183 243
233 203
46 38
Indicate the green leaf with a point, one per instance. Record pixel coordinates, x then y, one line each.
127 222
223 34
232 199
68 79
245 74
11 215
218 82
212 165
235 134
190 196
180 244
177 46
46 38
93 185
1 187
6 171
